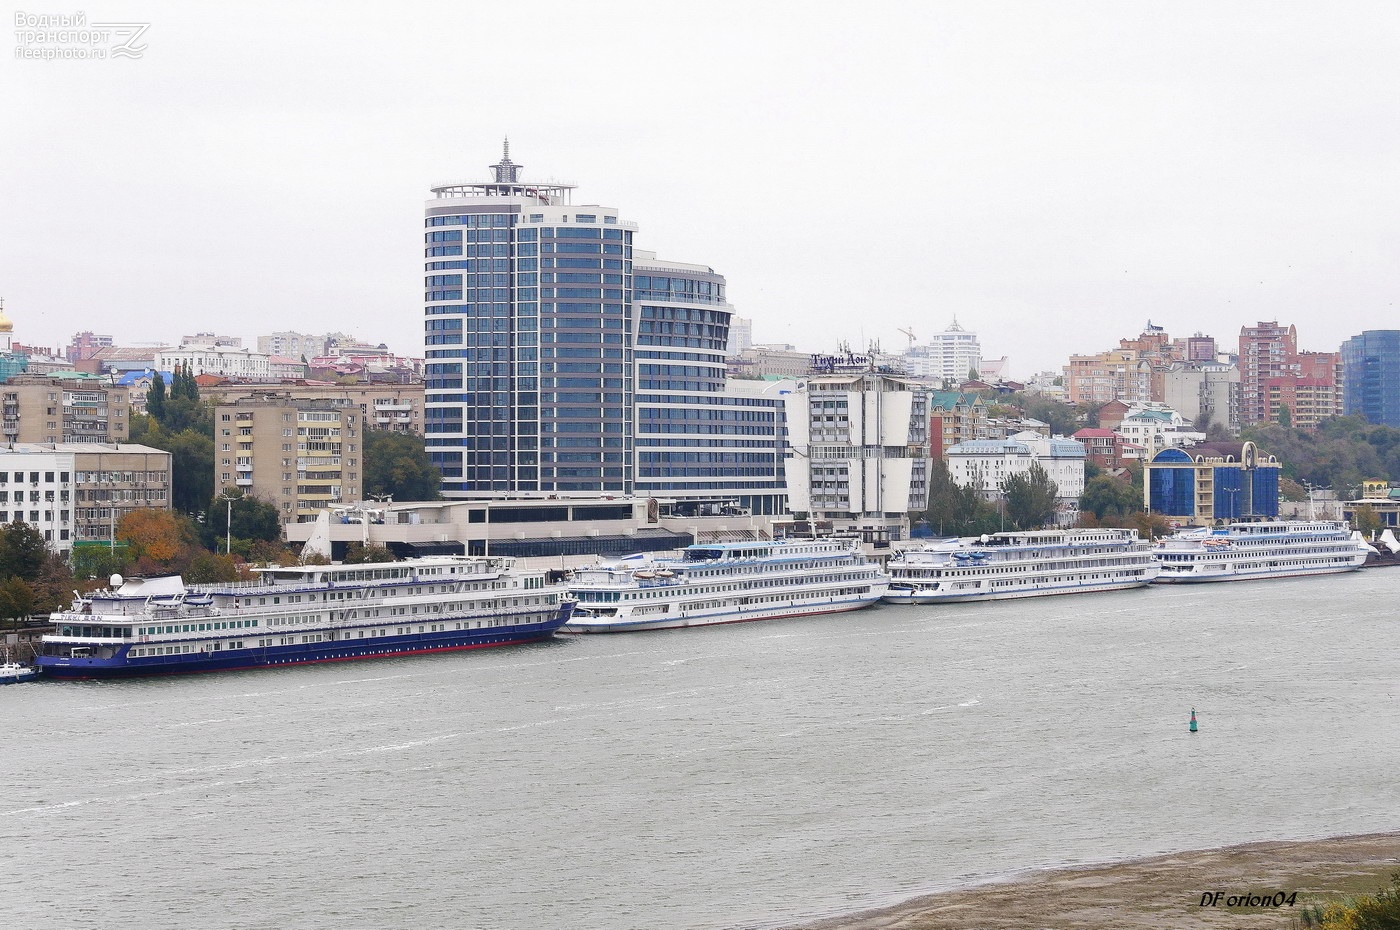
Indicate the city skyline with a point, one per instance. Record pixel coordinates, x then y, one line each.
1029 174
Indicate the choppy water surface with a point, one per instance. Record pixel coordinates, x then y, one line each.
737 776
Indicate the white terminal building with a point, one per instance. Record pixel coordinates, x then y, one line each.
860 451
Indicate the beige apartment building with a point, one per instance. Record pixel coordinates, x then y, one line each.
39 408
397 407
300 455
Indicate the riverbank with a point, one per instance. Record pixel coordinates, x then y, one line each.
1147 894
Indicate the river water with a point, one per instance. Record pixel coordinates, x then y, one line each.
741 776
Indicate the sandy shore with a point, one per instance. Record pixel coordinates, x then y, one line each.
1154 893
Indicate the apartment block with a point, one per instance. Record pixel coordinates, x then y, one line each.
38 408
954 417
396 407
1275 376
1093 380
1204 393
300 455
85 345
293 344
76 493
1266 351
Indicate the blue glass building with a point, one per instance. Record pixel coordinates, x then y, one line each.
1213 481
528 333
1371 376
532 386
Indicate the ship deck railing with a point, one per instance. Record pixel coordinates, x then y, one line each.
243 588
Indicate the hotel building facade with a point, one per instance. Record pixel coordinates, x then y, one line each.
561 360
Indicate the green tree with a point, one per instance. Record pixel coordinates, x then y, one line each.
97 562
192 468
1367 520
184 387
155 397
1106 496
1150 525
398 464
954 510
1338 453
207 567
1063 418
22 551
175 410
265 552
191 456
249 520
1285 416
360 554
1030 498
16 599
1217 432
53 588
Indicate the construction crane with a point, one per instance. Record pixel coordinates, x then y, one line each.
910 333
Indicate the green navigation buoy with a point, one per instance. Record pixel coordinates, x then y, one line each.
1193 720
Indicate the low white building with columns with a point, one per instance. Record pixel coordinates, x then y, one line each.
216 358
987 463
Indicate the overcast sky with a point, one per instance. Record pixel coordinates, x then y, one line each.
1052 174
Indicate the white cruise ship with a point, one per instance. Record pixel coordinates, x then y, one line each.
1029 564
725 583
1241 551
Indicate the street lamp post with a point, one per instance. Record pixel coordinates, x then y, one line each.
228 524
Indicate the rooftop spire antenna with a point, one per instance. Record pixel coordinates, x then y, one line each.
506 171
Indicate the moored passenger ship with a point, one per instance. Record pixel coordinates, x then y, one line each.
301 614
725 583
1027 564
1244 551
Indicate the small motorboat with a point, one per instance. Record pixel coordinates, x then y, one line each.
15 672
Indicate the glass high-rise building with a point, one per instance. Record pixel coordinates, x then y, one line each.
528 334
698 436
1371 376
532 318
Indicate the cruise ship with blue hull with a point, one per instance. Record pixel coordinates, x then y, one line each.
302 614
